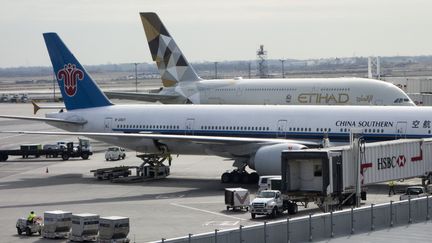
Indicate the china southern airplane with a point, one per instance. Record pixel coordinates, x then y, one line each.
251 135
183 85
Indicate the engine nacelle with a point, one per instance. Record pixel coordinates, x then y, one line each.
267 159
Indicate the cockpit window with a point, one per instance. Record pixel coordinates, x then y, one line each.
401 100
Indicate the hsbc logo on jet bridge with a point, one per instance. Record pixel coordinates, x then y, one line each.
397 161
391 162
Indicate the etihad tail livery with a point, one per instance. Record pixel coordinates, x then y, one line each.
251 135
182 84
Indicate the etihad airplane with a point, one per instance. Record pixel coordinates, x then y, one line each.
183 85
252 135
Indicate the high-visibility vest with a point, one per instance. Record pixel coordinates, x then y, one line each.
31 217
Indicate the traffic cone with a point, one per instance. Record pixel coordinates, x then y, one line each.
47 170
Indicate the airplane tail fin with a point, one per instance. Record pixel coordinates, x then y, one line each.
170 61
77 87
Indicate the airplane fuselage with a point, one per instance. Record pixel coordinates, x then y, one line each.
302 91
376 123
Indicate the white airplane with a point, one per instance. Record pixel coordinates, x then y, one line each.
252 135
183 85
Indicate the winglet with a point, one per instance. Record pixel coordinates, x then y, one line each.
77 87
171 62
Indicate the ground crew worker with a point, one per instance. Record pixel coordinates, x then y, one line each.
392 187
31 217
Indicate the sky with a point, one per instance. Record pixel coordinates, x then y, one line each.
109 31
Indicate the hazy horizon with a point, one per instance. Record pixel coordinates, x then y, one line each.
101 32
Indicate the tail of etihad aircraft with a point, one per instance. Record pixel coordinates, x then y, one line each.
77 87
172 64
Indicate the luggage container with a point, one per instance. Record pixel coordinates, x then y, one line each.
85 227
237 198
57 224
113 229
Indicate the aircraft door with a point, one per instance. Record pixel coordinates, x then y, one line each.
239 91
189 126
281 128
107 124
401 127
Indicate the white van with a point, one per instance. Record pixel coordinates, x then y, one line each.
265 182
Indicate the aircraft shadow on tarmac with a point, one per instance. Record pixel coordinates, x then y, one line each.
193 188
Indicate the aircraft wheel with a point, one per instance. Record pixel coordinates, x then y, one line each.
253 178
235 177
226 177
245 177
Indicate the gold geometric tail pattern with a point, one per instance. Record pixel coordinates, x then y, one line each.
172 65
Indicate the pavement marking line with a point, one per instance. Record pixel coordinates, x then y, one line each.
12 136
205 211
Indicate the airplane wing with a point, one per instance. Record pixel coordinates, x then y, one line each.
76 121
37 107
191 138
149 97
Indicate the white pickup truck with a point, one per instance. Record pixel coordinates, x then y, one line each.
267 202
414 192
270 203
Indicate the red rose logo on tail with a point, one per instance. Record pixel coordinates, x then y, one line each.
70 75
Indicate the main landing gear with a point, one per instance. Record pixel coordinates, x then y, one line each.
237 176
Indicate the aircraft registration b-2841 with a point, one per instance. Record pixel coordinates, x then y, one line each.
251 135
183 85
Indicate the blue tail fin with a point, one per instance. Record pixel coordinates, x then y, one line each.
77 87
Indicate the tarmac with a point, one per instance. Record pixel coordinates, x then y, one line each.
190 200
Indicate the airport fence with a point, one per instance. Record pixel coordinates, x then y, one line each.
321 226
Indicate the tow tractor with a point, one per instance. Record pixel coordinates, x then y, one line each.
23 226
83 150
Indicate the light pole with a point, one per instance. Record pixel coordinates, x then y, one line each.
283 68
136 78
216 63
54 87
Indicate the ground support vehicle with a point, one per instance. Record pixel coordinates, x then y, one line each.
4 98
237 199
414 192
57 224
115 153
85 227
113 229
151 168
269 182
111 173
23 226
83 150
267 202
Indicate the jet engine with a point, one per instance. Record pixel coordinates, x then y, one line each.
267 159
